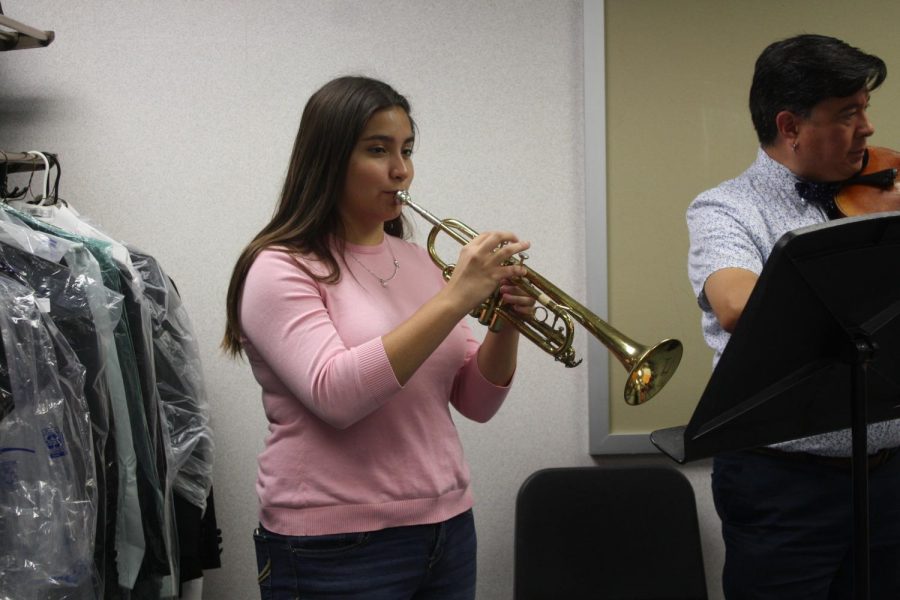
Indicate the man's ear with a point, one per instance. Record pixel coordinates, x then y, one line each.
788 125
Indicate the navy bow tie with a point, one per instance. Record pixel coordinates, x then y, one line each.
818 193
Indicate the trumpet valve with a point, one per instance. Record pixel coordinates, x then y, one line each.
487 313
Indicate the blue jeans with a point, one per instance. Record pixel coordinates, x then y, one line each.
788 528
410 563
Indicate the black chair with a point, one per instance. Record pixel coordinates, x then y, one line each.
623 533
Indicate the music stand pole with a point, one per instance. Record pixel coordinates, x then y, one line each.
860 471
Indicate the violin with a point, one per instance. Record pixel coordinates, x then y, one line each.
874 189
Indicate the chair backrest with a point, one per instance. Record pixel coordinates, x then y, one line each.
623 533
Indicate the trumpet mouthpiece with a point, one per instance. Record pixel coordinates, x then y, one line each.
402 196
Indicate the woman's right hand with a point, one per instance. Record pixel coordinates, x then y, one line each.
482 267
479 271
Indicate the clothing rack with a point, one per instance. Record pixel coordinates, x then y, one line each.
145 496
27 162
18 162
22 36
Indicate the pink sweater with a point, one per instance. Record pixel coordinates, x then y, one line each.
348 448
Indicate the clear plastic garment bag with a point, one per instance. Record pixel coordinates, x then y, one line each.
48 490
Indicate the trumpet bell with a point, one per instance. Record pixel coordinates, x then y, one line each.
652 370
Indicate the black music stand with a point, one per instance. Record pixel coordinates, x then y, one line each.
816 349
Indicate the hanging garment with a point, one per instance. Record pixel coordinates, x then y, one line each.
199 537
65 301
48 492
185 412
179 381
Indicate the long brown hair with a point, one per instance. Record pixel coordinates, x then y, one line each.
307 220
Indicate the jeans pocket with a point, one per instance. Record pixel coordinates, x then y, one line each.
263 566
327 545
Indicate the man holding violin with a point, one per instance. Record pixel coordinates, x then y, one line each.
786 510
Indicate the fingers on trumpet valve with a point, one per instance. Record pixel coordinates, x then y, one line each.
513 296
500 249
501 242
510 248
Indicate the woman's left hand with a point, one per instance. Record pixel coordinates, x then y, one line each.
497 355
513 296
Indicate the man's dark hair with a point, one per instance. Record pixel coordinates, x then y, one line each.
797 73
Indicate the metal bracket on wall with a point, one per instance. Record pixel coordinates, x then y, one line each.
19 36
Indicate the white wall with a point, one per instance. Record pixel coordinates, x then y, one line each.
174 120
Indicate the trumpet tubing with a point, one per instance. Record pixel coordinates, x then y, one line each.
552 328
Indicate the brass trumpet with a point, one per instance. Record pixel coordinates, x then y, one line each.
551 326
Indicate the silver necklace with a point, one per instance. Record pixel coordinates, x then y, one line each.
382 280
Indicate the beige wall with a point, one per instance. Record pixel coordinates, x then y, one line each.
678 76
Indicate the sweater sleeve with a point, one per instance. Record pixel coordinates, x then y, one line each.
285 319
473 396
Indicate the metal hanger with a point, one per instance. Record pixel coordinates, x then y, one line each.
41 199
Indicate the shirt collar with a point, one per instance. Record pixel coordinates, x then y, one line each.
775 178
